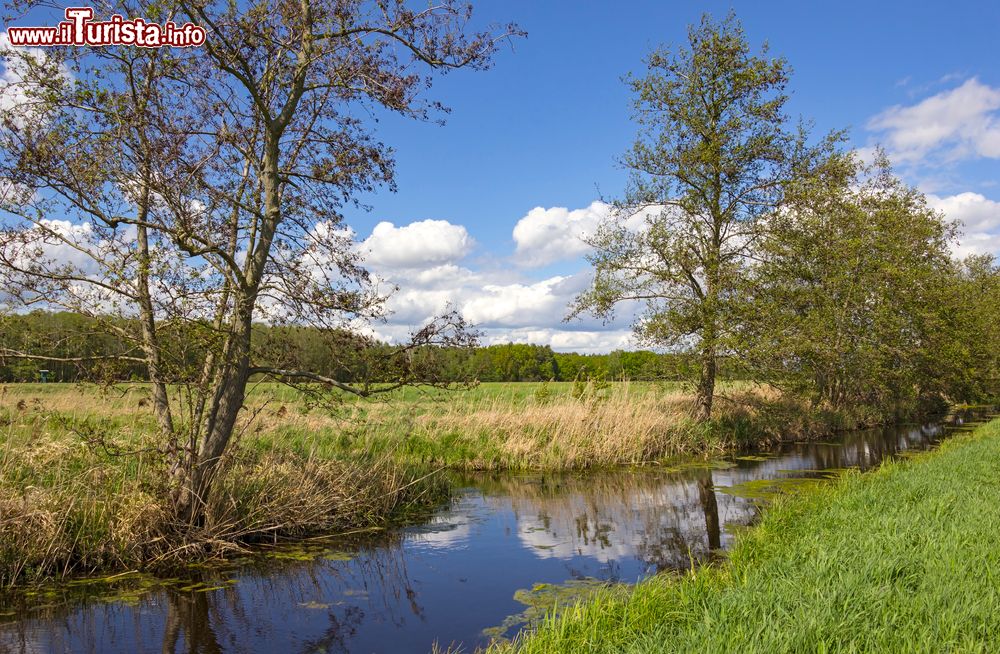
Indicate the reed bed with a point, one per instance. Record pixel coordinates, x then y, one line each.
68 507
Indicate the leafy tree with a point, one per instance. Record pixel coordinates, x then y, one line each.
715 154
850 295
203 189
969 365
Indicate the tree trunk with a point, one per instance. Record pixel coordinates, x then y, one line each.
229 389
147 317
150 344
228 395
709 346
706 384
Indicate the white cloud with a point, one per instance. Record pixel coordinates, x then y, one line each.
958 123
490 299
507 303
512 305
979 243
61 243
506 309
544 236
975 211
418 245
980 218
564 340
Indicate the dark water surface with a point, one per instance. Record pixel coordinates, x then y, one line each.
452 580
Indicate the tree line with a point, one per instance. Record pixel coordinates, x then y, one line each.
77 349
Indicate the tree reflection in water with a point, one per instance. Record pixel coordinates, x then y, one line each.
450 578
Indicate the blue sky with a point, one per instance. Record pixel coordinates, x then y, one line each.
544 125
540 133
491 207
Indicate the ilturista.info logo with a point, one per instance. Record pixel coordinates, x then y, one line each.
81 29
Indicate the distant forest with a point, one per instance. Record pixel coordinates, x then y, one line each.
91 353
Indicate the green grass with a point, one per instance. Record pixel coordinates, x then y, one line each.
514 392
904 559
82 479
493 426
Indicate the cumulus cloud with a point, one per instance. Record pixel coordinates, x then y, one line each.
976 212
420 244
65 243
958 123
980 218
507 308
518 304
487 298
978 243
565 340
508 305
544 236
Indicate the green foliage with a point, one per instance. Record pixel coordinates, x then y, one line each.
897 560
968 365
543 393
340 355
857 302
714 157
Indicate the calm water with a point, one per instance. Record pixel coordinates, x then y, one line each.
448 580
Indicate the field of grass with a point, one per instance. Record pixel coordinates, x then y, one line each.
549 426
81 477
493 426
904 559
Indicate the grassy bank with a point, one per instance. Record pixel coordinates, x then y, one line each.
72 505
83 488
494 426
903 559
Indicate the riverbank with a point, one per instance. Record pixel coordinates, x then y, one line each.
84 485
548 426
84 489
906 558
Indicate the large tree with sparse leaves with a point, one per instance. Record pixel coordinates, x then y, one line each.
191 192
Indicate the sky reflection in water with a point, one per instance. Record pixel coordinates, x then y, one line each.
451 578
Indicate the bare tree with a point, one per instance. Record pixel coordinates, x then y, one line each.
181 195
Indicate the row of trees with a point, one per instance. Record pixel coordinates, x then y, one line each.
787 256
77 349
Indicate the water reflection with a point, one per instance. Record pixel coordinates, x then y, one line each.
446 580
